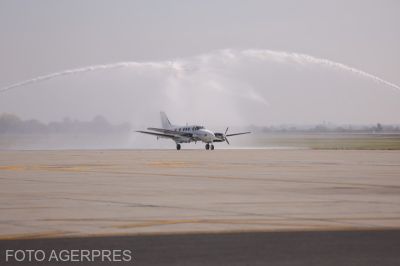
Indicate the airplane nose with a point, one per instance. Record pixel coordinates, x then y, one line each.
211 135
208 135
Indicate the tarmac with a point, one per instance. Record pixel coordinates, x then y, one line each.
80 193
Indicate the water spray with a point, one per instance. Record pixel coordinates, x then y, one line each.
230 54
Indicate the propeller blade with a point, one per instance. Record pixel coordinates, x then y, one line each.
226 139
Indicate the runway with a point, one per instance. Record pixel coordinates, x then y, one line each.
130 192
356 248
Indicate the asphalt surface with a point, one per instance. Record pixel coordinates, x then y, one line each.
270 248
75 193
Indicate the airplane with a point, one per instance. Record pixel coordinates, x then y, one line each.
187 134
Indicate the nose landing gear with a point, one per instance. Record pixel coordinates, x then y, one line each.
178 146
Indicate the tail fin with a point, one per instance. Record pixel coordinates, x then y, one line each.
165 121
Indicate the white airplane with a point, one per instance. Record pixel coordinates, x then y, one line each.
187 134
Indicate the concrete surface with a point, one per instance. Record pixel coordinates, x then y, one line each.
119 192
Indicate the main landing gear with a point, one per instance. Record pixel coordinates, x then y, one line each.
208 146
178 146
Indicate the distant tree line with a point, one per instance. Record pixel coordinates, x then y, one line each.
328 128
12 124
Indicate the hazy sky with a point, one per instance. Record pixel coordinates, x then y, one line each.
41 37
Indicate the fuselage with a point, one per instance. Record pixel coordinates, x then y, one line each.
199 132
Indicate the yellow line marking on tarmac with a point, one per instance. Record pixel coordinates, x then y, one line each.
13 167
44 234
170 164
209 221
266 220
56 167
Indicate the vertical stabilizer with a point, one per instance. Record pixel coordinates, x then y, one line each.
165 121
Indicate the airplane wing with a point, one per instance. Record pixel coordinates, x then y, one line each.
235 134
157 134
171 132
175 135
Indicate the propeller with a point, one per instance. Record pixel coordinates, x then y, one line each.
224 136
226 139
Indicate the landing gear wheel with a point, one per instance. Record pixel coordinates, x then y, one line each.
212 147
178 146
207 146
